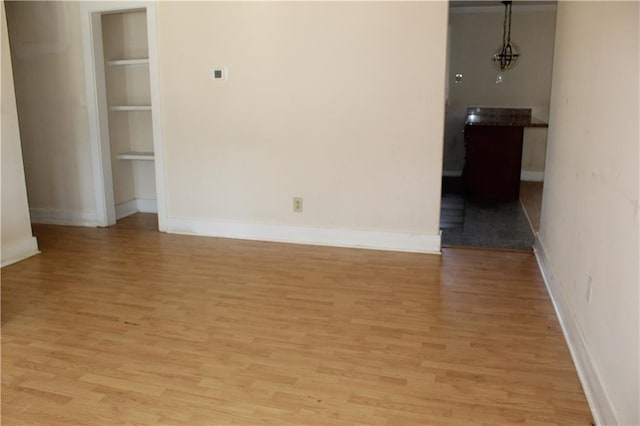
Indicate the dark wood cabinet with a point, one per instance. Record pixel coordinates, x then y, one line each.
493 161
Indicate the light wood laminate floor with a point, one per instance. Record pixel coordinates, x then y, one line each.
126 325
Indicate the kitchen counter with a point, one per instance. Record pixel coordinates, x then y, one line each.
493 142
510 117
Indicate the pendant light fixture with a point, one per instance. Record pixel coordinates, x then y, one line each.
507 55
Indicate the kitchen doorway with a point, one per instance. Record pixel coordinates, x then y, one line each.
474 80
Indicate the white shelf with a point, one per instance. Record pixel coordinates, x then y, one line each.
130 108
127 62
144 156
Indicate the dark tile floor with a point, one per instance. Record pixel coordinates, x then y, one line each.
465 223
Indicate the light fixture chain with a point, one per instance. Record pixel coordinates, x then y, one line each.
509 32
504 26
507 55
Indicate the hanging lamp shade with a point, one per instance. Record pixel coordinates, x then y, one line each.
508 54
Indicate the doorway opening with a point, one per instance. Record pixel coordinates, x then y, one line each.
124 117
126 55
495 125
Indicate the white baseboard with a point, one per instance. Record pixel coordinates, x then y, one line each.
452 173
19 250
137 205
599 401
531 176
63 217
378 240
147 206
126 209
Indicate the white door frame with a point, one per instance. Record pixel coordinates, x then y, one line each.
97 107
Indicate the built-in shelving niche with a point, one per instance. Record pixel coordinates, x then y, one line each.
126 60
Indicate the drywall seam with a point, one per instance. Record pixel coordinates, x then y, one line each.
19 250
377 240
602 408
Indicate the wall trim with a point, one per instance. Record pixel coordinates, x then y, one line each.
532 176
600 403
126 208
64 217
137 205
377 240
19 250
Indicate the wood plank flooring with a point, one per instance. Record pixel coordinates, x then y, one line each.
126 325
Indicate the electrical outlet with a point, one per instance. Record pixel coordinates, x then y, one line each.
588 290
297 204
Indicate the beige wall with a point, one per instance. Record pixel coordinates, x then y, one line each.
475 33
17 240
590 217
46 47
340 103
